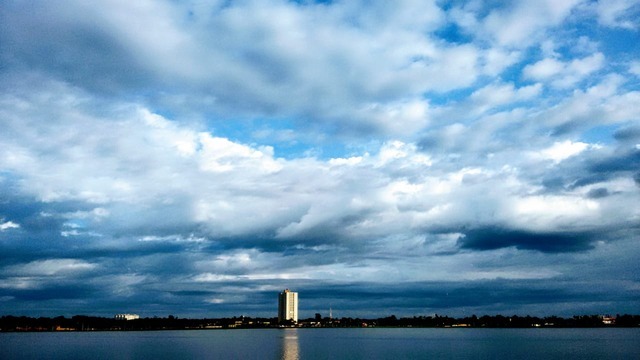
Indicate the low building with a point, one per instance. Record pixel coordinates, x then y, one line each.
126 316
608 320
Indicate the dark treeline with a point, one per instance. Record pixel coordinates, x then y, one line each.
93 323
500 321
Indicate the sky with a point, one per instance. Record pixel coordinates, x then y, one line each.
195 158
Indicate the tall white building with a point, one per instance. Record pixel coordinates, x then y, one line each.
288 306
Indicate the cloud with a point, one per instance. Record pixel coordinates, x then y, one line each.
634 68
563 150
618 13
561 74
604 103
213 51
522 21
492 97
8 225
544 69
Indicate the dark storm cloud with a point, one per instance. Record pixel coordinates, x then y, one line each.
622 163
452 297
490 238
52 292
39 234
590 168
46 231
624 160
45 37
598 193
628 133
192 293
127 248
34 216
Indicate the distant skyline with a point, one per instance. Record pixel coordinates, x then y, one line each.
195 158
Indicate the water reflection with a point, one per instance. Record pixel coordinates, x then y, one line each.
290 346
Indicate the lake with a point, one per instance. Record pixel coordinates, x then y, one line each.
367 343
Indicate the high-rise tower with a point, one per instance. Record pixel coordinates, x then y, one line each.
288 306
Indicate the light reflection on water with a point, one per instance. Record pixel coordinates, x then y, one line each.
290 345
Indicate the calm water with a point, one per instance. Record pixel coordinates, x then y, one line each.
328 344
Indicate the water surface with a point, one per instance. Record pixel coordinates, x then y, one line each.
372 343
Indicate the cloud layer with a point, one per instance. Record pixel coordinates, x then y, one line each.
429 156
